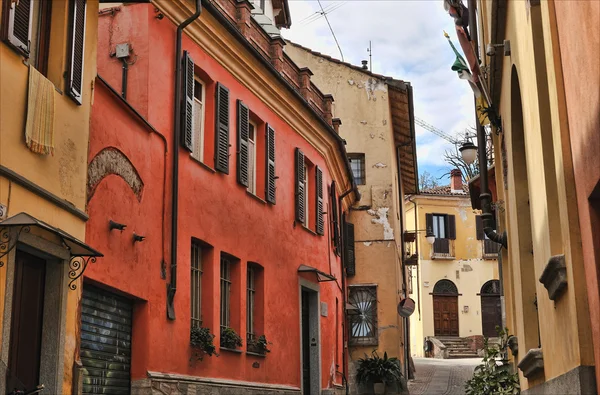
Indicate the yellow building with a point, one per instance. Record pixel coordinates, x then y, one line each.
541 72
454 281
48 65
375 116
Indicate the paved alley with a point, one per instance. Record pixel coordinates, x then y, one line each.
441 376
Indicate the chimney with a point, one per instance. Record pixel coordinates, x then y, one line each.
456 185
365 64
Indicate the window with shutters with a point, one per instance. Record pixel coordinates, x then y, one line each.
196 284
305 197
362 315
198 132
489 248
444 229
222 123
357 163
26 28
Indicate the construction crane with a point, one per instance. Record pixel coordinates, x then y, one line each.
436 131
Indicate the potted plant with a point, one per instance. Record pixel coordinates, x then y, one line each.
378 371
230 339
259 345
202 341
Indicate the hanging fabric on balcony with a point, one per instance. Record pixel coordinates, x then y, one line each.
39 127
462 68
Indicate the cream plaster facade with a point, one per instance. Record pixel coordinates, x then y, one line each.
468 269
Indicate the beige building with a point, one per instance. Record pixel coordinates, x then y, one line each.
376 114
454 282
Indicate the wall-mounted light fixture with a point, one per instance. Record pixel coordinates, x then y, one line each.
137 237
468 151
429 235
490 49
115 225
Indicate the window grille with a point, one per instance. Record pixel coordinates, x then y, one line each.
445 287
251 293
363 315
196 286
225 292
357 163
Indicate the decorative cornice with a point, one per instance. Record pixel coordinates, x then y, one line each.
532 363
215 39
554 276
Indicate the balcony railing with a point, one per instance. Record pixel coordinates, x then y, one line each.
443 248
490 249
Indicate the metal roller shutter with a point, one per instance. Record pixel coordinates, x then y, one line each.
105 342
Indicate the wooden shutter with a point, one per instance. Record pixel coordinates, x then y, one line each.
451 231
334 216
222 129
18 20
270 159
429 222
76 50
320 227
187 109
349 249
479 227
243 127
300 209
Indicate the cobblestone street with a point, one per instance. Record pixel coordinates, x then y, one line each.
441 376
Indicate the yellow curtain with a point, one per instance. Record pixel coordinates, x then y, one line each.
39 128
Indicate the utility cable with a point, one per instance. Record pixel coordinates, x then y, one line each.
330 28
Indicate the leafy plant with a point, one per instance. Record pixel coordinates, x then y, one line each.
493 376
375 369
202 341
259 345
230 338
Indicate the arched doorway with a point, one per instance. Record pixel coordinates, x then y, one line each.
491 308
445 308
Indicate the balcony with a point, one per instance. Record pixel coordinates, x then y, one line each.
443 249
490 249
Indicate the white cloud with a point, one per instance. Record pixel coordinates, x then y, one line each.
408 44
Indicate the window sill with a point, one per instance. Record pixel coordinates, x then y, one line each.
232 350
202 164
255 197
309 230
490 257
443 257
255 354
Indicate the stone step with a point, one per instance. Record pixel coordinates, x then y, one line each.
465 355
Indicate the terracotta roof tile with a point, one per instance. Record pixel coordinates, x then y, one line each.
445 191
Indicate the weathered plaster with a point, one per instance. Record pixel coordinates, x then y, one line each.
112 161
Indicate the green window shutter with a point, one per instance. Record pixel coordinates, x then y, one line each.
349 249
479 227
320 227
187 110
18 31
270 169
451 227
335 222
243 127
222 129
300 209
76 50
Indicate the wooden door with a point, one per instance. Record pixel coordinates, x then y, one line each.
24 354
491 314
445 315
305 344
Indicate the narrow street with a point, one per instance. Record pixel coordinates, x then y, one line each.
441 376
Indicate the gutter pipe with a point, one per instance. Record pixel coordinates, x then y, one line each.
172 285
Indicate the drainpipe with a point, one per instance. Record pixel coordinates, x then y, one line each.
172 285
418 258
485 197
353 188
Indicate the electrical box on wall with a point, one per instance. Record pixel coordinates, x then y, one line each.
122 51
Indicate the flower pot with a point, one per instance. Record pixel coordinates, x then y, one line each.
379 388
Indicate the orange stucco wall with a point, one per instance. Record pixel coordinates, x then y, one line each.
580 59
213 208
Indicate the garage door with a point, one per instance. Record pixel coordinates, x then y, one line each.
105 342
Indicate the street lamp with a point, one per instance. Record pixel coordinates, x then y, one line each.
468 151
430 236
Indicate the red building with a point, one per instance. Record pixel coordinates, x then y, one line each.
248 188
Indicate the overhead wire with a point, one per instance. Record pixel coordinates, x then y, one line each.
330 28
318 14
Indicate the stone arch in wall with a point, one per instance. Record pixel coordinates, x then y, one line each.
491 308
112 161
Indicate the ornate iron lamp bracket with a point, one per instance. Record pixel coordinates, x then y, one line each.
77 266
7 243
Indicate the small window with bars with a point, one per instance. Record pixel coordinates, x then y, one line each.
362 315
251 303
196 286
226 267
357 163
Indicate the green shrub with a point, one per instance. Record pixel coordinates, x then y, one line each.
493 376
202 341
230 338
375 369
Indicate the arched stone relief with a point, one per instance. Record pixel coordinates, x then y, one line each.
112 161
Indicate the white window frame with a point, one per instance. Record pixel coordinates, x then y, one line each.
198 133
252 140
306 195
196 284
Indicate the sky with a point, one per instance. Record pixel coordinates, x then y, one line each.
408 44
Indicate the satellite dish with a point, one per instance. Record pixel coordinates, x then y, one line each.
406 307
